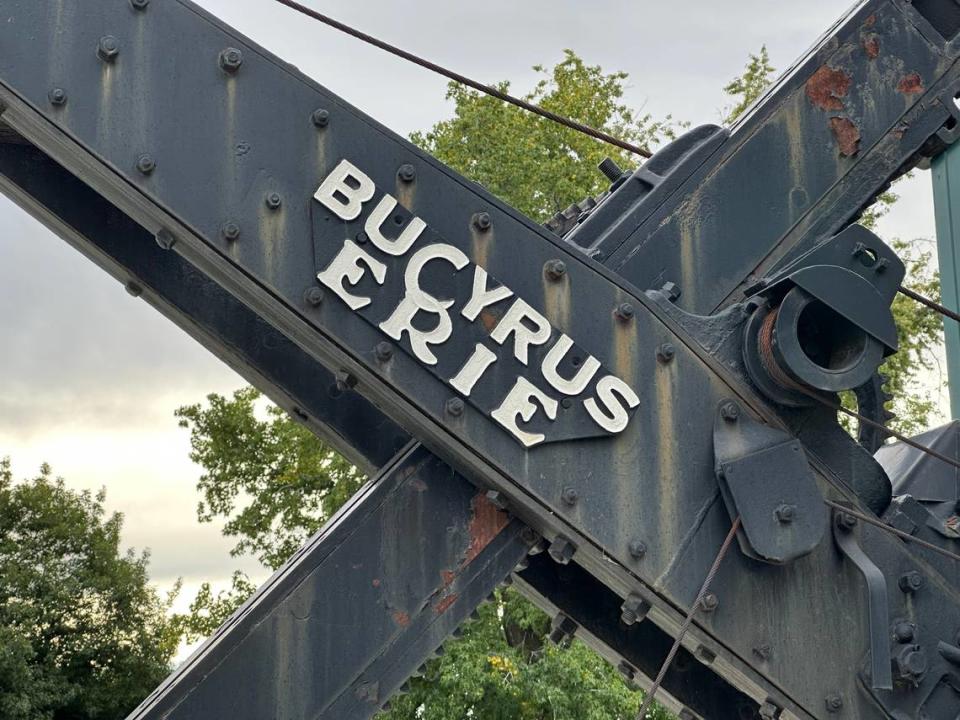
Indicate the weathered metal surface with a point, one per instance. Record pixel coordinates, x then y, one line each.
198 165
353 614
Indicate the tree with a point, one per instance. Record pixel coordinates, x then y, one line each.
83 636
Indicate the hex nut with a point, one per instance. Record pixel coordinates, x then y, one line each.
786 513
455 407
482 221
730 411
570 496
108 48
637 549
834 702
910 582
165 239
709 602
230 231
139 4
57 96
313 296
666 352
561 550
845 521
625 311
274 201
320 118
383 351
230 60
407 173
146 164
671 290
555 269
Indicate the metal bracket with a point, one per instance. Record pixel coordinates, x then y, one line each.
765 479
881 675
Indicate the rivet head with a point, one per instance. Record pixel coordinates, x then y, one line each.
625 311
570 496
108 48
230 231
637 549
482 221
274 201
383 351
903 632
709 602
555 269
407 173
455 407
834 702
786 513
57 96
320 118
730 411
146 164
230 60
313 296
666 352
139 4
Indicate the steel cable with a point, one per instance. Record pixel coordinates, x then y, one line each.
464 80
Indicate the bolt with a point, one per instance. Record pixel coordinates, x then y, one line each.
627 670
230 231
845 521
910 582
709 602
522 565
407 173
555 269
133 289
383 350
610 169
570 496
625 311
108 48
730 411
455 407
139 4
482 221
634 609
230 60
345 381
313 296
320 118
671 290
786 513
274 201
903 632
561 550
911 663
57 96
881 266
165 239
527 534
763 652
834 702
858 249
146 164
637 549
666 352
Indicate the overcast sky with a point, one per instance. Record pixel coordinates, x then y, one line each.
90 377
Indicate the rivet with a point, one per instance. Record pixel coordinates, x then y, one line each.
570 496
407 173
625 311
230 231
230 60
361 238
108 48
555 269
455 407
482 222
903 632
709 602
274 201
57 96
637 549
320 118
146 164
566 403
730 411
383 351
834 702
165 239
313 296
666 352
139 4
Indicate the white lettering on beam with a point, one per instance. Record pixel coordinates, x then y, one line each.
341 197
346 266
518 404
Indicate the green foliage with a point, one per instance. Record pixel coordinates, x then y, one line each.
534 164
272 480
83 636
756 78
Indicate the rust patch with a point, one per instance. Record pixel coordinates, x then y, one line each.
910 84
870 21
401 618
827 87
871 46
846 134
448 577
444 603
486 522
489 320
376 582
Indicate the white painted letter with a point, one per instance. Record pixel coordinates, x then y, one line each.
580 381
607 390
481 297
407 238
346 266
512 322
517 404
416 300
474 368
335 189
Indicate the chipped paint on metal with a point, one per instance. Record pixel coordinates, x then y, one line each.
401 618
486 522
871 45
444 603
911 84
827 87
448 577
846 134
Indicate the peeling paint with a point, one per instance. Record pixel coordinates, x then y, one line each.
486 522
376 582
448 577
870 21
401 618
827 87
846 134
444 603
910 84
871 46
